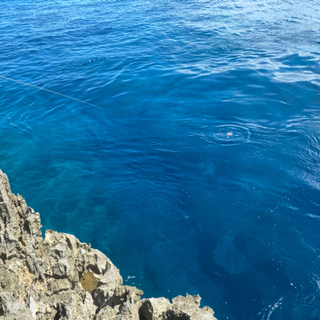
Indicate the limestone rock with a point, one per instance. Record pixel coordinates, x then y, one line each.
187 308
154 308
181 308
59 277
13 309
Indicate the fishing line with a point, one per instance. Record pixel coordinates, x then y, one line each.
51 91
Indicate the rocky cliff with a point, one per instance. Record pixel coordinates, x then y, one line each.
59 277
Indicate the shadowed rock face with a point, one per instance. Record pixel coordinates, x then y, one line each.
59 277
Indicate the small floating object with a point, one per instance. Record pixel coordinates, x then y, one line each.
228 134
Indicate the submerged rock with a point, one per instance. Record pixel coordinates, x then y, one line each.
59 277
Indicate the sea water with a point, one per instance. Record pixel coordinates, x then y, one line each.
196 168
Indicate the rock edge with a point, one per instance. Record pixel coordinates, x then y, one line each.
59 277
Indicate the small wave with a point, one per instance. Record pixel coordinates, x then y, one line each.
267 312
313 216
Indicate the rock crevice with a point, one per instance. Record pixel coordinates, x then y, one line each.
58 277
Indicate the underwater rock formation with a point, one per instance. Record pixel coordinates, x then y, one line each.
59 277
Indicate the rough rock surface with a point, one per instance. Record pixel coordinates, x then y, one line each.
59 277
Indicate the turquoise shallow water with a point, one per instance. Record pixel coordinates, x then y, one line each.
200 170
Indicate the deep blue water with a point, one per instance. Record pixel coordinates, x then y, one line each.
200 170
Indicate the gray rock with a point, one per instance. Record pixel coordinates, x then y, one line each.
13 309
187 308
59 277
9 280
154 308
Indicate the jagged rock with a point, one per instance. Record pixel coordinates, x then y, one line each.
74 305
181 308
121 303
187 308
154 308
9 280
13 309
59 277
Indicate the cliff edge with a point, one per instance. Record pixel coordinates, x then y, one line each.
59 277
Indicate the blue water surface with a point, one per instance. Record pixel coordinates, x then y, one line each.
196 166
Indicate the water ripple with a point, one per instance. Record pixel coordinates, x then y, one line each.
228 134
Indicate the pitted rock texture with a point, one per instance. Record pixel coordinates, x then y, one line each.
59 277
